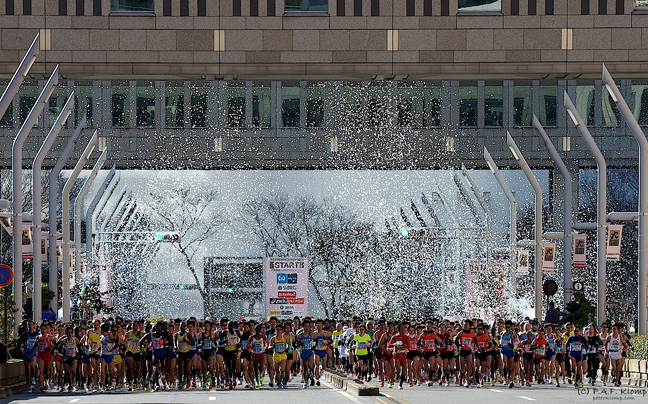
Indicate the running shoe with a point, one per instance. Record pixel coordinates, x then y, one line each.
305 386
382 384
317 382
557 384
390 385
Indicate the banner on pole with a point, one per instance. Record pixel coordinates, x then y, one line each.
614 242
523 262
549 257
286 287
27 243
579 247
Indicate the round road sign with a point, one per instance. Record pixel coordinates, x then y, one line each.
578 286
6 275
550 287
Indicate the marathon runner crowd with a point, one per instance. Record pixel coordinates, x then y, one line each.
115 353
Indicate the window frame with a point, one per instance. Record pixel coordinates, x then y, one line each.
118 11
304 13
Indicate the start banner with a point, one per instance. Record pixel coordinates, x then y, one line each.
286 287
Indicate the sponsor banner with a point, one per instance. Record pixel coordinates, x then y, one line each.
523 262
27 243
614 242
549 257
578 250
286 286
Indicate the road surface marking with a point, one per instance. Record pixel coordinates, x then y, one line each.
212 398
344 393
497 391
527 398
74 400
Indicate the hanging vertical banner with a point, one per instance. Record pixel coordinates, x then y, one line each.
286 287
523 262
27 243
548 257
614 242
579 247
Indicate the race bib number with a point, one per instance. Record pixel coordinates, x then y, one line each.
308 344
157 343
42 346
70 352
540 351
429 344
94 345
576 346
466 343
257 348
232 341
208 345
362 345
279 348
134 345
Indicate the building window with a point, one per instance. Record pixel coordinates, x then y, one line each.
431 106
341 12
199 107
585 7
427 8
7 118
410 8
639 103
375 8
494 104
609 109
236 7
56 102
27 7
132 5
548 105
406 104
585 103
166 8
236 106
83 104
350 104
357 8
479 5
174 107
271 8
522 105
306 5
290 106
62 7
120 100
261 105
378 113
254 8
641 3
184 8
145 106
9 7
27 96
315 106
468 106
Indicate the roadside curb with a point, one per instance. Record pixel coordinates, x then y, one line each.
383 399
342 382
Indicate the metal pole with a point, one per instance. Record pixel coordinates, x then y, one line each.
19 76
601 215
65 201
77 212
538 221
36 201
16 167
487 212
513 217
567 210
93 205
642 237
53 182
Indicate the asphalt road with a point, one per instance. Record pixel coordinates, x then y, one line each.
326 394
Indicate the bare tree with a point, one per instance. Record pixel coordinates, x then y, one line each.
188 213
341 247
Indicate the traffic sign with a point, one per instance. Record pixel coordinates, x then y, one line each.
550 287
578 286
6 275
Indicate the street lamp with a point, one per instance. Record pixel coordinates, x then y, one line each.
16 168
53 235
487 212
513 216
642 237
567 210
538 221
36 201
65 202
601 216
20 75
77 212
